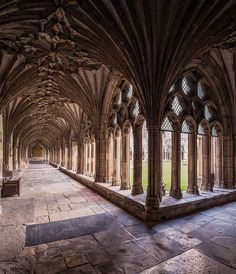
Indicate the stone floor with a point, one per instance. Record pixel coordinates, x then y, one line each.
80 232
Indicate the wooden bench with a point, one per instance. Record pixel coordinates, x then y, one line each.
11 187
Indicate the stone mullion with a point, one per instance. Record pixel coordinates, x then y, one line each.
175 190
137 187
154 189
192 164
125 175
206 163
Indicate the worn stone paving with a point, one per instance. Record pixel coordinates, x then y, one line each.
200 243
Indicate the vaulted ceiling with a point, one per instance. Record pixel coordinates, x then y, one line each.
61 60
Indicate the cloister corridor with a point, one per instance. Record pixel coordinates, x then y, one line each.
57 225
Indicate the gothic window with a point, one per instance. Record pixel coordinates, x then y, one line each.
176 106
185 127
202 129
166 125
195 102
115 120
186 86
200 91
125 106
172 88
119 99
207 113
216 131
130 92
136 109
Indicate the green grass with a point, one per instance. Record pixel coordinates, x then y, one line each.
166 174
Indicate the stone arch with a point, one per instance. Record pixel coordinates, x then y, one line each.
204 127
188 124
170 122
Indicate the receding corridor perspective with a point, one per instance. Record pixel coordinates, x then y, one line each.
117 136
59 226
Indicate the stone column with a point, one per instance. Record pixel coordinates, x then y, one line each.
14 158
200 156
206 163
100 158
85 158
192 164
109 158
69 156
18 158
175 190
92 158
137 187
80 158
58 156
6 155
154 189
116 160
63 156
125 175
229 179
219 156
89 158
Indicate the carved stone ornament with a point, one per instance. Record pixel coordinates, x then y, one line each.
54 48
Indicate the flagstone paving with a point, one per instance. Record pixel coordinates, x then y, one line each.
57 225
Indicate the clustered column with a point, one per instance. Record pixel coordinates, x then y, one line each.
137 187
69 156
116 159
175 190
192 164
109 158
125 175
63 156
154 197
207 185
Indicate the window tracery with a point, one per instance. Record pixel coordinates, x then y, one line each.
125 106
191 99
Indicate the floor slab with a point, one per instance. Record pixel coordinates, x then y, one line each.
71 229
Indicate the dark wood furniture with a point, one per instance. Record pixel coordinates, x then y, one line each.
10 187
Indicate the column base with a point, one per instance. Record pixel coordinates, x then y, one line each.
137 189
108 180
124 186
98 179
115 183
207 188
193 190
152 207
230 185
176 193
